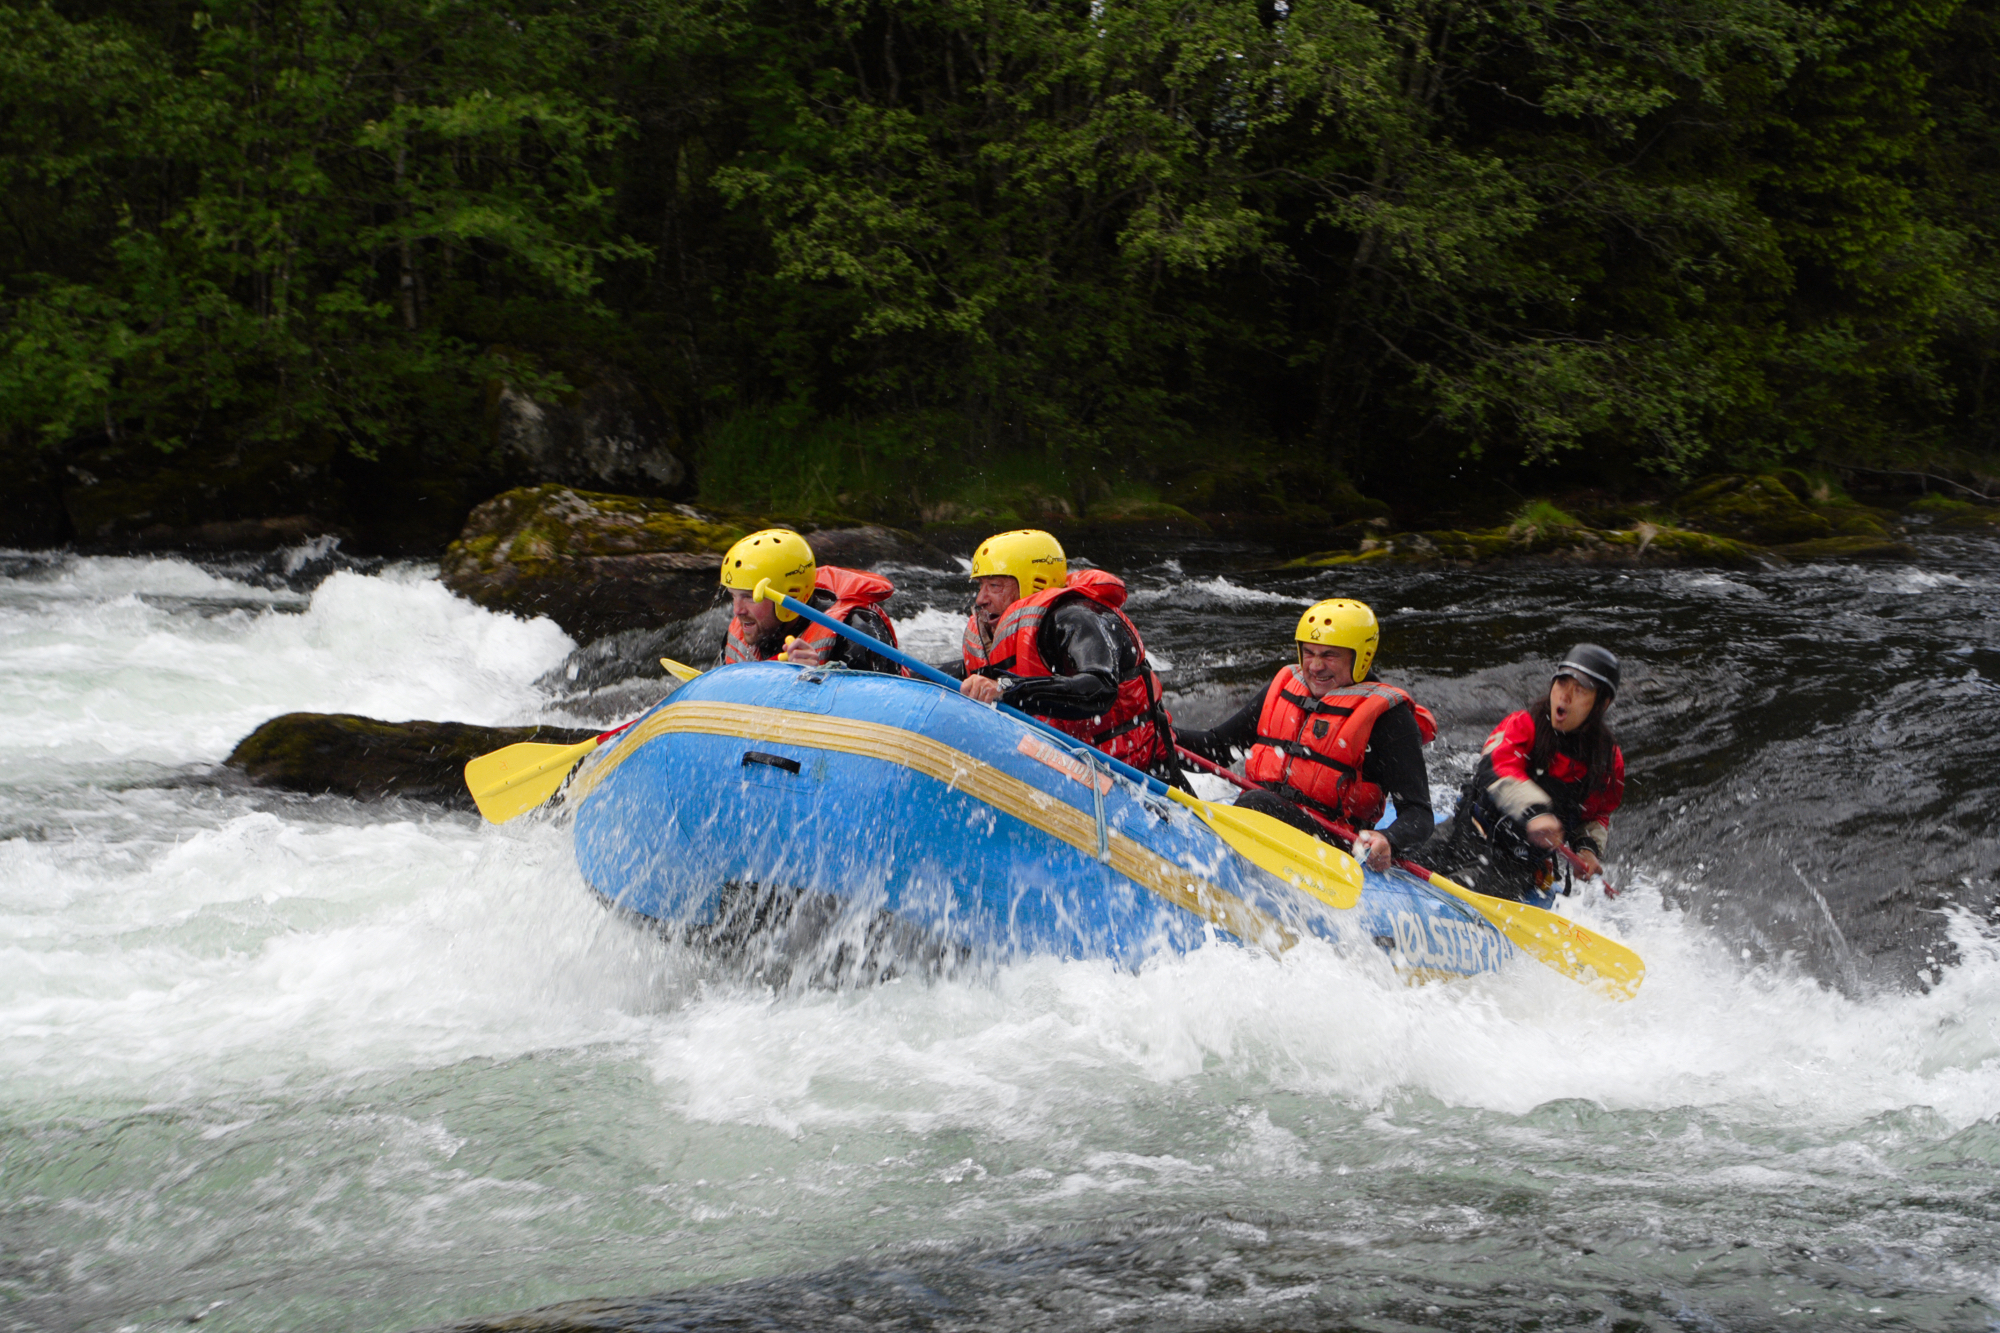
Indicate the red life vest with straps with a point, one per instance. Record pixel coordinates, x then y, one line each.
851 590
1310 750
1131 731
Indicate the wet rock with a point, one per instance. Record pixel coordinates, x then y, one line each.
242 534
1757 509
619 676
1961 515
1848 548
369 760
594 563
606 434
600 564
1779 509
869 545
1028 505
1546 541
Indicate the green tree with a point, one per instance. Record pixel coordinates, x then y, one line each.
271 218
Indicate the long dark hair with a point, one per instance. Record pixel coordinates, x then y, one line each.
1592 742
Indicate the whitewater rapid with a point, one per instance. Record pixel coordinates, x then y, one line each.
297 1062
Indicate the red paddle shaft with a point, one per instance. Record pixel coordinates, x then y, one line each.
1345 834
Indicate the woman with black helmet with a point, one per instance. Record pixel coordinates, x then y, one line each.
1548 775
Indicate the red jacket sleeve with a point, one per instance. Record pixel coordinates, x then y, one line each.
1507 749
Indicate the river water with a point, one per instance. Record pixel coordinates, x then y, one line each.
270 1062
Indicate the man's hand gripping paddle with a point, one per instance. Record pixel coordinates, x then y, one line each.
512 781
1302 861
1575 951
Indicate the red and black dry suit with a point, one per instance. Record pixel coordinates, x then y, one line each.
1486 846
1070 656
849 596
1336 755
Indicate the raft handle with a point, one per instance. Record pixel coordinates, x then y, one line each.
774 760
1088 756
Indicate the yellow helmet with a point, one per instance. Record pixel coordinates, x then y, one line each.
777 554
1343 623
1034 558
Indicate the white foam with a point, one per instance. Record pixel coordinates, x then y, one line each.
113 578
932 634
262 948
1216 590
1711 582
106 675
1766 1048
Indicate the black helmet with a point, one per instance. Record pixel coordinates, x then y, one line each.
1597 666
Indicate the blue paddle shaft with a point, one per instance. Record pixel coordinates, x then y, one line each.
936 677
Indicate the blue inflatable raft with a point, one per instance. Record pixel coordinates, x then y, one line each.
891 811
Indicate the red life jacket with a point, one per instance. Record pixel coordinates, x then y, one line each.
1131 731
851 590
1310 750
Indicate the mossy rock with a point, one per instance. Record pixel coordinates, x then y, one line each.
1779 509
1381 553
345 755
1651 542
1950 512
540 523
1645 544
1133 518
1848 548
598 564
1760 509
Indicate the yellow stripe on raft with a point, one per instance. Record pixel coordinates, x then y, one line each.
960 772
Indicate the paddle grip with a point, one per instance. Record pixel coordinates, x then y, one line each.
924 670
1576 864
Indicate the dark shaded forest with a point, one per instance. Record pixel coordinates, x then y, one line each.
906 259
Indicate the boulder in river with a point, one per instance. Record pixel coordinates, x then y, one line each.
1737 520
369 760
600 564
1789 513
1545 542
1961 515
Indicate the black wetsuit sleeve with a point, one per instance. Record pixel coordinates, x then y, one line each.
1226 740
851 654
1395 762
955 668
1081 647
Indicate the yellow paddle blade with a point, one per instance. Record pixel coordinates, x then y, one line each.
517 779
1301 860
679 670
1573 950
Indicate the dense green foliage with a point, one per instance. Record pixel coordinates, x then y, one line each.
900 243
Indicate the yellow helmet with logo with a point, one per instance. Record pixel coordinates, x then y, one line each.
1343 623
1034 558
777 554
